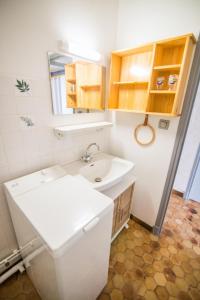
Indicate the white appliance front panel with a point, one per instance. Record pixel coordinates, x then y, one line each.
82 271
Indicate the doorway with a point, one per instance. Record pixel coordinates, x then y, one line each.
193 187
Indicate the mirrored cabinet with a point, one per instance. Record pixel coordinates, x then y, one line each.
77 85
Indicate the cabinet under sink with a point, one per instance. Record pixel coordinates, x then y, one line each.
122 210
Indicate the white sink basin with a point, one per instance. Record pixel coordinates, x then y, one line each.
103 172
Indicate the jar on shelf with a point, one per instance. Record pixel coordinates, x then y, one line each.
160 82
172 82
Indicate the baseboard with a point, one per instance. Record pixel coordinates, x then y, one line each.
140 222
175 192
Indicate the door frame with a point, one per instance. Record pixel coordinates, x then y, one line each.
192 174
190 96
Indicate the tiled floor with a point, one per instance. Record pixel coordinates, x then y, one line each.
143 266
18 287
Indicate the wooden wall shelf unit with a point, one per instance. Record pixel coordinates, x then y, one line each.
134 73
85 85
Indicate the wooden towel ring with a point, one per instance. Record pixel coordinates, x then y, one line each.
139 127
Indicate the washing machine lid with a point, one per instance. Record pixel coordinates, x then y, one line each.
60 209
34 180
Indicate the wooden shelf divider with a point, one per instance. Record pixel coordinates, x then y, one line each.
162 92
71 94
167 67
91 86
71 80
123 83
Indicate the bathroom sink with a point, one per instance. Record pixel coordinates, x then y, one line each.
103 172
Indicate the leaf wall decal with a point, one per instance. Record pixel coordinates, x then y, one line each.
22 86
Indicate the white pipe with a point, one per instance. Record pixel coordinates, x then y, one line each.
17 267
20 265
14 255
17 252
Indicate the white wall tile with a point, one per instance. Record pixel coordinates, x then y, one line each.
24 56
7 105
2 152
9 122
24 150
7 235
4 172
13 145
6 86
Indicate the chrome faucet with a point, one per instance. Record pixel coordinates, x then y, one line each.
87 156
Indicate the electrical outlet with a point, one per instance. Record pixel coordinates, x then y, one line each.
163 124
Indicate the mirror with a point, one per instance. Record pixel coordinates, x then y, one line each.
77 85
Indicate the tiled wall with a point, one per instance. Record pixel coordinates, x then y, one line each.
28 30
26 149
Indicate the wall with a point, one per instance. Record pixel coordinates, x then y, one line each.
28 29
189 153
142 21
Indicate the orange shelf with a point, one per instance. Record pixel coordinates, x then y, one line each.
162 92
90 86
71 80
167 67
129 82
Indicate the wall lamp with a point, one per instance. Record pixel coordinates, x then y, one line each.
79 50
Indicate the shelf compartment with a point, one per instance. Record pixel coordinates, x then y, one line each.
161 103
163 73
129 78
170 52
133 98
168 67
91 98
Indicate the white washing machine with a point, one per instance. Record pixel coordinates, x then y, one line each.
63 228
